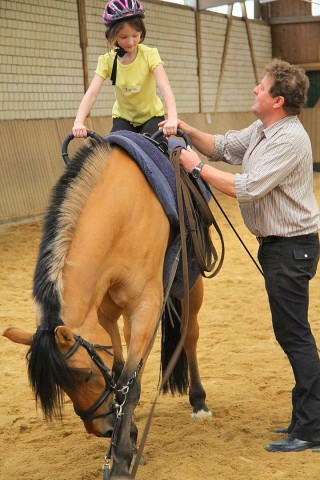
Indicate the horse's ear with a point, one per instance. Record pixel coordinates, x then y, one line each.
17 335
64 337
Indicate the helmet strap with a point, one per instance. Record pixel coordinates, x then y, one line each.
120 52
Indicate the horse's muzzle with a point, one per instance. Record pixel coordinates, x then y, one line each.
106 434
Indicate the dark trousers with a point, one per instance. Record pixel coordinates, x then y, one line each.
288 266
150 127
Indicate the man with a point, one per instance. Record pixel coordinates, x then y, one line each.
275 193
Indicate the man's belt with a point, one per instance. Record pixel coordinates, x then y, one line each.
275 238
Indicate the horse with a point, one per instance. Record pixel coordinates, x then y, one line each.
101 257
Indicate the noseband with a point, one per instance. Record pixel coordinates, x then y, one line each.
110 384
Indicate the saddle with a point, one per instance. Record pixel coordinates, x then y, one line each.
160 171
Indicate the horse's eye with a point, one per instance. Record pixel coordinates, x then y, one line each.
88 376
83 375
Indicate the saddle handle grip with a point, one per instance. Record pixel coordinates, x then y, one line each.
180 133
70 137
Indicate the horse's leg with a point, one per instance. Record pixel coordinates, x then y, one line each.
141 324
108 315
197 394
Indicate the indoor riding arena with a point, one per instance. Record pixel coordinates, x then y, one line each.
213 60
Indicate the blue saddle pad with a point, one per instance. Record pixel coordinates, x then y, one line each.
160 173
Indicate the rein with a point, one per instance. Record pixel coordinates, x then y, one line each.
200 218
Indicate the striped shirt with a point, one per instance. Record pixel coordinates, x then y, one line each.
275 187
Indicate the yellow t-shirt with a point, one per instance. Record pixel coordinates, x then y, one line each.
135 89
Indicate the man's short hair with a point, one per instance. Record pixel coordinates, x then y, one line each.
290 82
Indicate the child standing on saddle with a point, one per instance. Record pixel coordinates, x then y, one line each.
135 71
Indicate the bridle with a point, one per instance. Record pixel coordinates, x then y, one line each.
88 413
117 409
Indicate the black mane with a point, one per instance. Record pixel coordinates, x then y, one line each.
43 289
47 369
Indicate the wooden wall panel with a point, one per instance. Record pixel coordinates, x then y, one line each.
285 8
296 43
31 161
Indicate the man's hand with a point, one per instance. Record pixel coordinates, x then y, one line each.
188 159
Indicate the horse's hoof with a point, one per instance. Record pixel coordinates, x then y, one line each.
123 477
141 460
201 414
120 477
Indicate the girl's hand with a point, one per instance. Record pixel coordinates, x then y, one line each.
178 124
79 130
169 127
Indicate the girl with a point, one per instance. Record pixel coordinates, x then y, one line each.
135 70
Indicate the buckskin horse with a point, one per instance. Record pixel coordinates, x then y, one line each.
102 255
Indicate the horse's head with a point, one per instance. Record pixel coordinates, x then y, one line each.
90 366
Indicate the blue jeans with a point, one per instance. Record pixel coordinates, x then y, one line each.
288 266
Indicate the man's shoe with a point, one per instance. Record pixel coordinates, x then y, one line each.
281 430
290 444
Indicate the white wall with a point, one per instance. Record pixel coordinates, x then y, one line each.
41 61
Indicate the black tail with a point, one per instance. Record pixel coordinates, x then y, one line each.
178 381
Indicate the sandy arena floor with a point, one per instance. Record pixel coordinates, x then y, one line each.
246 376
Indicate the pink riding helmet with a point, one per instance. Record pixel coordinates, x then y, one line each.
121 9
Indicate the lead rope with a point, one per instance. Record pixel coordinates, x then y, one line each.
235 232
183 187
